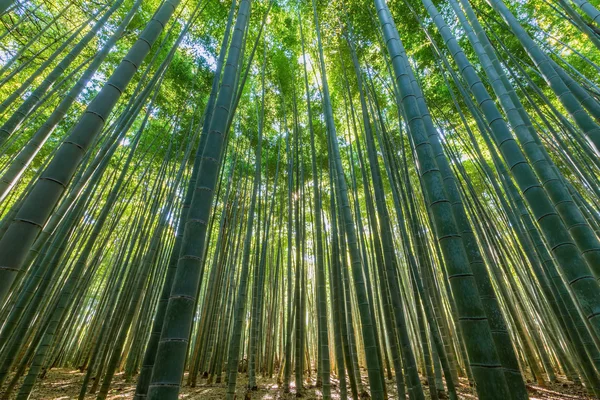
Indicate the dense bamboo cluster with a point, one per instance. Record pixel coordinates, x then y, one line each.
356 195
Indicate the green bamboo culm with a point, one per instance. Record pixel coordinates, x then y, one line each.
36 95
23 159
47 191
483 358
574 266
589 128
323 339
5 5
150 353
376 379
172 347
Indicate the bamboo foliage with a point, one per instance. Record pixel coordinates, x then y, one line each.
346 199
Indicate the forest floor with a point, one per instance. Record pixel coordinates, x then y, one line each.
63 384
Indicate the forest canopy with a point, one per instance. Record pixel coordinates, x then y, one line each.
272 198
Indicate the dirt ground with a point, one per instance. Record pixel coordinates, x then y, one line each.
62 384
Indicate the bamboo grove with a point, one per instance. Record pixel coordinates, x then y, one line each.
377 199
